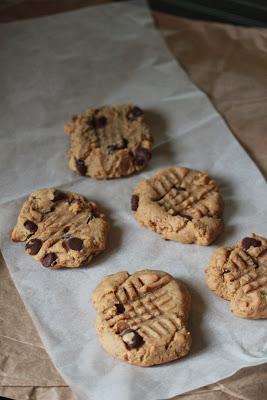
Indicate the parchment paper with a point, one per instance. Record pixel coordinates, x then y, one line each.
188 131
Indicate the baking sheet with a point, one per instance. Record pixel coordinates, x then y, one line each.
185 126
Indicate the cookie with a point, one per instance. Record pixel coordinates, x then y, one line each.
239 274
142 318
181 204
109 142
61 229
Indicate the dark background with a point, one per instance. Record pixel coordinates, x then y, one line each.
238 12
252 13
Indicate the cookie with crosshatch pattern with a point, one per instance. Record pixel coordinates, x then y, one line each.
142 318
109 142
239 274
61 229
181 204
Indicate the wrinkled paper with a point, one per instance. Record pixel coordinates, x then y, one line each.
56 66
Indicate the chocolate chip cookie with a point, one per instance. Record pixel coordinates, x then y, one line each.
142 318
61 229
109 142
181 204
239 274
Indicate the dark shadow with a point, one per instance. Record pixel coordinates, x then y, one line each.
157 124
162 152
198 310
230 208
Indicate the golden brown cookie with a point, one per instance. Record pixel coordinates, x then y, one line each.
142 318
239 274
61 229
181 204
109 142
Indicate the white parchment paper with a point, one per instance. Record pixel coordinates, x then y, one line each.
56 66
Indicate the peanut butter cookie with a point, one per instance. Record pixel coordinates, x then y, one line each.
142 318
181 204
109 142
61 229
239 274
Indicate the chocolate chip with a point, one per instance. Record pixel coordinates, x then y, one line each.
142 156
118 146
33 246
48 260
81 167
134 113
134 202
58 195
30 226
99 122
120 308
74 243
132 339
66 229
247 242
